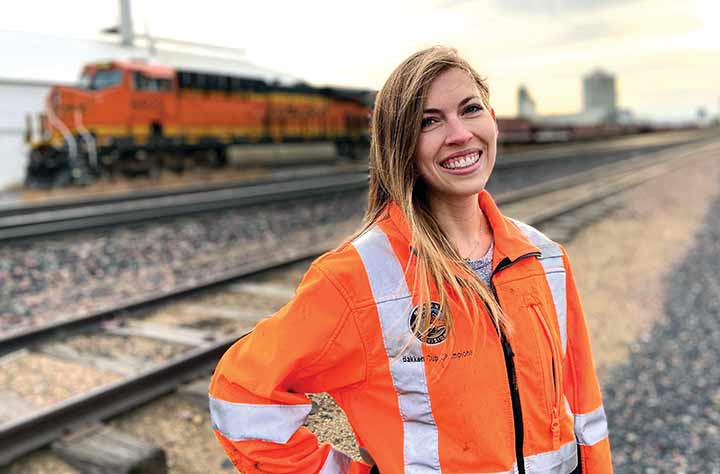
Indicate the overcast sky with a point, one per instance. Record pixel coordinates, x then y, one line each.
665 54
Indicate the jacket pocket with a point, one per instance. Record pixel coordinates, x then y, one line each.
556 371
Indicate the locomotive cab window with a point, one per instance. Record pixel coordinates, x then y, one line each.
141 82
101 79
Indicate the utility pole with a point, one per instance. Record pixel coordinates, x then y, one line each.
126 29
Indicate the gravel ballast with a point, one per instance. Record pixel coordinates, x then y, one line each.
636 268
619 261
663 404
144 350
44 381
58 278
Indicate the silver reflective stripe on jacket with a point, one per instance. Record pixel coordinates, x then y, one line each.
591 428
336 463
552 262
394 304
561 461
245 421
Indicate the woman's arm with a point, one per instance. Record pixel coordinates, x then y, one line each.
257 394
582 389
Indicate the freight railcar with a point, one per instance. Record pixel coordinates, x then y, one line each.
514 130
523 131
137 117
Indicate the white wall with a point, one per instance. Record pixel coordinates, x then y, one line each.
12 159
16 100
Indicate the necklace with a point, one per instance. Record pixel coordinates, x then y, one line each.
467 259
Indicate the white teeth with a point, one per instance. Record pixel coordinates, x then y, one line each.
463 162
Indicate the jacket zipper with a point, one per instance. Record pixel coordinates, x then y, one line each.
509 356
557 386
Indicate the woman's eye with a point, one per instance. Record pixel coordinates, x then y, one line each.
426 122
471 109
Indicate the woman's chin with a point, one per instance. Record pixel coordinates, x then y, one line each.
458 190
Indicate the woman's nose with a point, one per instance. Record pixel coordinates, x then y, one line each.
457 132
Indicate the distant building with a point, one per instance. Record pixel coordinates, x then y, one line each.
526 105
599 94
625 116
599 104
702 117
592 117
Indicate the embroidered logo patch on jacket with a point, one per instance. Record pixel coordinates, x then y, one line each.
438 330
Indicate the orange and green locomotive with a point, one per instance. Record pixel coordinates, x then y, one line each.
137 117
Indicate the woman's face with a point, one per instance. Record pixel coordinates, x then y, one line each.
456 150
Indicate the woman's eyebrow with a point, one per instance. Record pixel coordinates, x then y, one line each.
462 102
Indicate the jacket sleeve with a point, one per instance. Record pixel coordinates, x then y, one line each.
582 389
257 393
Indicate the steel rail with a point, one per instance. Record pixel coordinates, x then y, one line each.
18 438
21 436
17 340
90 200
627 165
536 159
41 224
617 183
638 144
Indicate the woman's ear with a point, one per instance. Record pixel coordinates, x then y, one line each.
492 112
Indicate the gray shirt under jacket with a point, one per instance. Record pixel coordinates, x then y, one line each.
483 266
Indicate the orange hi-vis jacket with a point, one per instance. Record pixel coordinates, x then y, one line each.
478 401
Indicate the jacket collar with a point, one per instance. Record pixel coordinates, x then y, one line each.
510 241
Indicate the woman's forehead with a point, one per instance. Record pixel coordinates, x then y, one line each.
450 88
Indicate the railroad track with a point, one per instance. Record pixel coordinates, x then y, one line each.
649 143
43 220
22 208
55 217
191 336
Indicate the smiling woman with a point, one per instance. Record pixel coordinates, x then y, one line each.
452 336
457 145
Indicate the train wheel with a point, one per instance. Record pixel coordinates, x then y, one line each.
175 162
351 151
62 179
155 169
344 149
218 157
135 163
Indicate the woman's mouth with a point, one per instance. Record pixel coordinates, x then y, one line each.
462 162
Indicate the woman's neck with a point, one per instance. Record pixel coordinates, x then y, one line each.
464 223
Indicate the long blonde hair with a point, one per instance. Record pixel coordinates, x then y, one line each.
395 129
